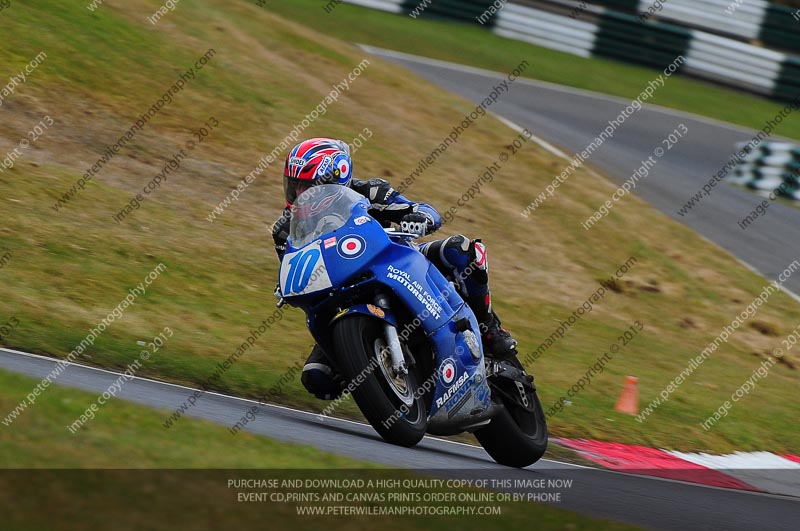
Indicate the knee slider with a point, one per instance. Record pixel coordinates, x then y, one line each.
317 382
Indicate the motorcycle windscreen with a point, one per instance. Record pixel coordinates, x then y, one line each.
320 210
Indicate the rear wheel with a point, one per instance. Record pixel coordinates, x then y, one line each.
517 436
391 403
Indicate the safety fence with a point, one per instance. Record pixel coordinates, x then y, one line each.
589 30
776 26
772 168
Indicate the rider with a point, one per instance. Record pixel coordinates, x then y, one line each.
327 161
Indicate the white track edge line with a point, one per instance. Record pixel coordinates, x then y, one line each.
543 143
248 400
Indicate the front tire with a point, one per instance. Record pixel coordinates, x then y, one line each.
395 409
515 437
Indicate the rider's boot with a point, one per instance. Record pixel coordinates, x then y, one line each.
319 377
496 339
497 342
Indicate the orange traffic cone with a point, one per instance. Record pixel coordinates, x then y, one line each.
629 398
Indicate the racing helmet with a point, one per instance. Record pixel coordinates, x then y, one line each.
313 162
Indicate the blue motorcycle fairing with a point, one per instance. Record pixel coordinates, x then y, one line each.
320 278
369 310
418 284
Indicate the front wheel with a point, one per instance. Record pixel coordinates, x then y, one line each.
391 403
517 435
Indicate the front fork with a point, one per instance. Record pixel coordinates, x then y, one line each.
392 340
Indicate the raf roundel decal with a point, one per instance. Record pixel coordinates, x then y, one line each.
448 372
352 246
344 168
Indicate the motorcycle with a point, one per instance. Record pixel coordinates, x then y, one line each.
399 332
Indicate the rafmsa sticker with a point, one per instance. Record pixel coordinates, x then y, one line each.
453 391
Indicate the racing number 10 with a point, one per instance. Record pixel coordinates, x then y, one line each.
301 268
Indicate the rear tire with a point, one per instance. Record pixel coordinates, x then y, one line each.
515 437
356 342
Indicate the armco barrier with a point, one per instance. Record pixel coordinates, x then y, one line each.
772 167
601 32
392 6
464 10
622 37
788 82
714 16
780 28
735 63
748 20
546 29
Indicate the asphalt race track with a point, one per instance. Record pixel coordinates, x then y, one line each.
572 119
652 503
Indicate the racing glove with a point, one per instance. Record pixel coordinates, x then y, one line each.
417 223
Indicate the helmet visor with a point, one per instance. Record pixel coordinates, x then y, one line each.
293 186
